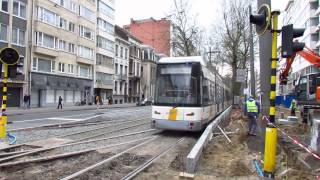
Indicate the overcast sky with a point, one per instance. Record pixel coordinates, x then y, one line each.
206 10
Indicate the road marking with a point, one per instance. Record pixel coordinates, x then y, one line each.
64 119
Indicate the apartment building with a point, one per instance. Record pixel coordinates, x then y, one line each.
302 14
121 65
135 55
104 69
148 72
13 33
155 33
63 54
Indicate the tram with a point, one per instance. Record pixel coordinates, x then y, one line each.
188 96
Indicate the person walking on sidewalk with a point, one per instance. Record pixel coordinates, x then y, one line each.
252 110
60 102
293 107
98 101
25 101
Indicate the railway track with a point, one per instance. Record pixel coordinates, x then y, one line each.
86 121
19 150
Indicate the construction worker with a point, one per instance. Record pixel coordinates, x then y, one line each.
293 107
252 110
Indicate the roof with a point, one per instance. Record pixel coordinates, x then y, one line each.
183 60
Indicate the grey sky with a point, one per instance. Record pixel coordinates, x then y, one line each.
207 11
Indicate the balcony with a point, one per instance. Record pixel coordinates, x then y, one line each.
104 84
133 76
122 77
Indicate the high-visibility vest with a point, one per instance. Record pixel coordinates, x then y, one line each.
293 104
251 106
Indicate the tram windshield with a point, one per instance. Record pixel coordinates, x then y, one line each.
176 85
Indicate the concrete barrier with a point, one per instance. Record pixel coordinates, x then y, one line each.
195 154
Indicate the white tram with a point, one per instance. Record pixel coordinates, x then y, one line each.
188 95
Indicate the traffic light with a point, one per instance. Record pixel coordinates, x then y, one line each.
262 19
289 47
17 69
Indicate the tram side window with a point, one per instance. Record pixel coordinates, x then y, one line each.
205 92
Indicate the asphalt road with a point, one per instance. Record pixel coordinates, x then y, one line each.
38 119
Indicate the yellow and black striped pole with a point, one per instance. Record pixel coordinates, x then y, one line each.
4 118
271 131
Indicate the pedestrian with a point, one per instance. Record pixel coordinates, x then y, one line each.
29 100
252 110
25 101
98 102
293 107
60 102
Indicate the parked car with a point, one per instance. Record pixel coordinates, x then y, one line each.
145 102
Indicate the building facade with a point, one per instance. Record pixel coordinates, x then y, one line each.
13 33
63 51
302 14
148 72
121 65
155 33
135 55
104 69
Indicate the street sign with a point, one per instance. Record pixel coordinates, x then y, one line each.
9 56
241 75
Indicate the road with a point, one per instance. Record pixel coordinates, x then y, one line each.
38 119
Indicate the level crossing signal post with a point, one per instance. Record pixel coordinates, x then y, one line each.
267 20
264 20
8 57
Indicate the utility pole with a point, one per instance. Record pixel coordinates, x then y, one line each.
252 77
265 73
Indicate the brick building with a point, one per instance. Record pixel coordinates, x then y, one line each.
156 33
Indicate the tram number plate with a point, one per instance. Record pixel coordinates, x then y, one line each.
173 114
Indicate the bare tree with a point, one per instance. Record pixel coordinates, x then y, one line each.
187 34
232 38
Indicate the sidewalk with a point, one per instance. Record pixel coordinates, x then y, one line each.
21 111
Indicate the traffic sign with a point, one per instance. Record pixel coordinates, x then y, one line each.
9 56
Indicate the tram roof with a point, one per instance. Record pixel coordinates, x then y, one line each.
183 60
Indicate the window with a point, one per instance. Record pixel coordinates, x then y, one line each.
61 67
105 26
87 13
115 86
70 68
71 48
117 49
116 68
63 24
3 32
84 71
85 52
48 41
43 65
73 6
4 5
62 45
47 16
86 32
71 27
105 9
104 60
126 54
18 36
19 8
121 52
105 43
121 69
